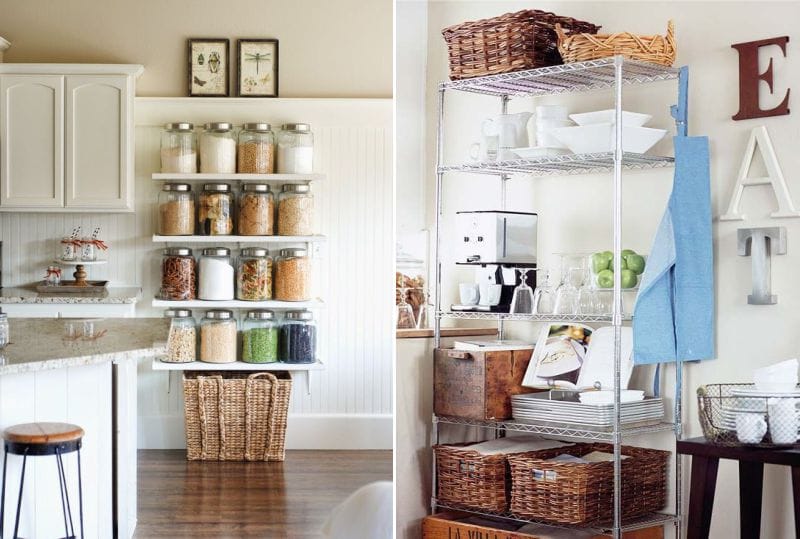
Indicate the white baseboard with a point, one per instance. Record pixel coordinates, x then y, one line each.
304 431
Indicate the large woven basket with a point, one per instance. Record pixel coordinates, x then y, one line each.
575 493
511 42
470 479
592 46
236 416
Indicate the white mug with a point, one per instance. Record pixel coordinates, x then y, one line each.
750 428
490 293
485 150
469 293
783 420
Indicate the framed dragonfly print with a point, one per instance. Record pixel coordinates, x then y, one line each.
208 67
257 68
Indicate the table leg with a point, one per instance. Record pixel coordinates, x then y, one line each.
796 492
751 482
701 496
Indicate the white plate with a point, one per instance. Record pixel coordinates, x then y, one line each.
759 393
607 396
539 151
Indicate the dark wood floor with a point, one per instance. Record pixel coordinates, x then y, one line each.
224 500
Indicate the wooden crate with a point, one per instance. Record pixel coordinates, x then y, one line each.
478 385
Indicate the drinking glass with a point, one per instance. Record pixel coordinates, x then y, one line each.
522 300
544 296
403 312
425 313
567 294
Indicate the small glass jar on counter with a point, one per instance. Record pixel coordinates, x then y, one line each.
295 149
218 148
256 150
293 275
254 275
179 148
298 342
218 335
216 275
178 274
182 338
215 210
5 330
295 210
176 210
260 337
256 210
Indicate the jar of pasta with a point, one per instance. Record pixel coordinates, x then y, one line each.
178 275
295 149
298 341
218 335
260 337
256 149
293 275
179 148
218 148
215 210
254 278
295 210
182 338
176 210
256 210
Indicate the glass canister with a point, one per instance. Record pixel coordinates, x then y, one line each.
260 337
256 150
218 148
182 338
254 278
215 210
70 248
216 275
293 275
256 210
295 210
295 149
218 334
176 210
298 342
4 330
178 274
179 148
88 249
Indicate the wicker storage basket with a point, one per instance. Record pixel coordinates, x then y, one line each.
591 46
236 416
511 42
574 493
470 479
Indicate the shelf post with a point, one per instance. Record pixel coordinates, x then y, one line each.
617 302
437 326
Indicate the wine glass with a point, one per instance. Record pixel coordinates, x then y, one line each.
522 300
544 297
567 295
403 312
425 312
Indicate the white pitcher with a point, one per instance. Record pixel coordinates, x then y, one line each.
511 130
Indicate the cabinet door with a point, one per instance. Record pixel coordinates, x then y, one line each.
31 142
99 142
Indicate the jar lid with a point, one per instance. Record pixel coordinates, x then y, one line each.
178 313
257 126
216 251
296 127
179 126
218 126
294 252
176 187
296 188
255 188
217 187
178 251
219 314
299 315
255 251
260 315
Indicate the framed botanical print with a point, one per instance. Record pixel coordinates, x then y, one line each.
209 67
257 61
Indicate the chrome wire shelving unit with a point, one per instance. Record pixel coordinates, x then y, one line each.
610 73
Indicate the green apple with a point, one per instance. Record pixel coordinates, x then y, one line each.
623 263
628 278
635 263
626 252
605 278
600 262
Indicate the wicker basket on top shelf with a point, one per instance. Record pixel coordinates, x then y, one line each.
591 46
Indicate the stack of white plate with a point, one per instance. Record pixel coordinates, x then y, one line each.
749 401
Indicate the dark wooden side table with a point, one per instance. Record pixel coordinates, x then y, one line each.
705 462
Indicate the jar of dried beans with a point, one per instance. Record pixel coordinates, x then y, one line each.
295 210
254 278
178 276
298 342
215 210
218 334
256 210
179 148
293 275
260 337
295 149
218 148
182 338
256 149
176 210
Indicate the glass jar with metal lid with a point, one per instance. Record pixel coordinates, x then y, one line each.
295 210
218 334
256 210
218 148
295 149
215 269
179 148
176 210
182 339
215 210
178 275
298 341
256 149
254 278
5 333
293 275
260 337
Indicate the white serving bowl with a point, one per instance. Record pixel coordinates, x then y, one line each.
633 119
599 138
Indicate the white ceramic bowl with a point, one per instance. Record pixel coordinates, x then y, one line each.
599 138
633 119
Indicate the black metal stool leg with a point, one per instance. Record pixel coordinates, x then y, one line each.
19 500
80 490
62 482
3 492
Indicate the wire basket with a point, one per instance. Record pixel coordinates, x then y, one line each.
740 415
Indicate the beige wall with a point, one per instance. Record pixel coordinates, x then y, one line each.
328 48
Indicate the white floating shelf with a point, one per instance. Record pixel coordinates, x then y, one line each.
281 178
239 239
237 304
159 365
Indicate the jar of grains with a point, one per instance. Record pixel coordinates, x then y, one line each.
182 338
5 333
295 210
218 149
254 278
215 274
176 210
259 337
215 210
256 210
298 341
256 151
295 149
179 148
218 337
293 275
178 277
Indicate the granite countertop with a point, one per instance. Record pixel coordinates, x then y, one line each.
53 343
112 295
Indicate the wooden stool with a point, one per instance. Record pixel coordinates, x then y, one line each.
43 439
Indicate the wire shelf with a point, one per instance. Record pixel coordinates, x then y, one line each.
575 77
587 318
560 165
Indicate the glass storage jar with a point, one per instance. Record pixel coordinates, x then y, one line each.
218 337
260 337
88 249
295 210
256 210
4 330
298 341
179 148
70 248
178 274
215 210
254 275
182 338
293 275
295 149
256 150
176 210
218 148
215 277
